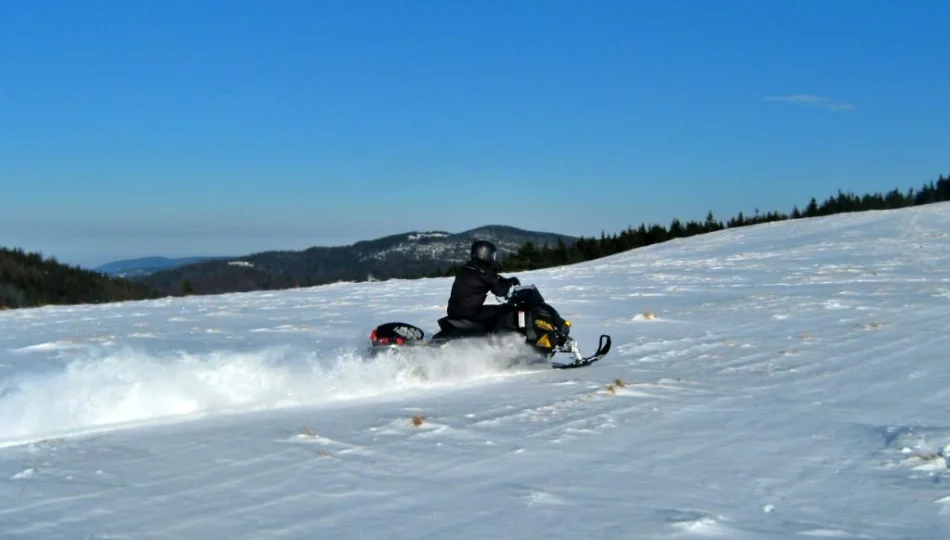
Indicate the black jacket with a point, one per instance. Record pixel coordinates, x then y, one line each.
472 285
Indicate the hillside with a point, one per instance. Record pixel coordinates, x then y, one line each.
29 279
778 381
403 255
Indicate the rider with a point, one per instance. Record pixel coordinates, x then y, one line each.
473 282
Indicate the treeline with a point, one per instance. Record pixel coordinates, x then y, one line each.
276 270
30 280
532 256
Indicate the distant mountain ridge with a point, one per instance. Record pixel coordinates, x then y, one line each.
142 266
403 255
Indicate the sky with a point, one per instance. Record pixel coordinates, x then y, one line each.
183 128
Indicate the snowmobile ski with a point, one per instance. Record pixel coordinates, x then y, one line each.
582 361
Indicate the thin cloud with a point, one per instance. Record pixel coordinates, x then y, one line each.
812 101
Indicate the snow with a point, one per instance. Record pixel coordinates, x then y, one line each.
447 250
419 236
787 380
439 245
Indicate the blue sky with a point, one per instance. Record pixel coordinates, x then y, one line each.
197 128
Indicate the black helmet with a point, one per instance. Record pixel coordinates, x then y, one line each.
484 251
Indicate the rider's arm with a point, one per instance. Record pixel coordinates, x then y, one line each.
499 285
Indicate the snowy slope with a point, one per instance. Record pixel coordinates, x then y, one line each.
782 381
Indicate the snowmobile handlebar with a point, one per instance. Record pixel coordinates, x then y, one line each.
513 289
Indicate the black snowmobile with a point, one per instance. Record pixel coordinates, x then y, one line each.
527 314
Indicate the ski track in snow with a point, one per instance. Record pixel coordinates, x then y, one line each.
781 381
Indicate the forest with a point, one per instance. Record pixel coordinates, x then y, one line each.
29 280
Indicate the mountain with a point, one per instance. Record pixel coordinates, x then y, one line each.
30 280
147 265
403 255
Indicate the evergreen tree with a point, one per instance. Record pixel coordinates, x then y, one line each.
30 280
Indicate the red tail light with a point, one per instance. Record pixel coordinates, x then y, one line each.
374 337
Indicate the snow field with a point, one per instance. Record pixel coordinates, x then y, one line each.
780 381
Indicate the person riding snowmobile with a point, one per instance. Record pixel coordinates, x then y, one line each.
472 284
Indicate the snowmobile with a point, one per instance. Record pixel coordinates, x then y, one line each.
526 313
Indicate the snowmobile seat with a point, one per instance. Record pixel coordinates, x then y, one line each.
448 324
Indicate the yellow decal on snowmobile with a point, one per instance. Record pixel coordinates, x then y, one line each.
544 342
543 324
567 324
